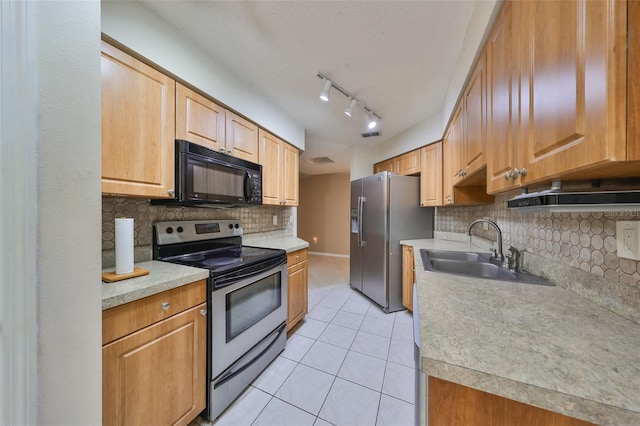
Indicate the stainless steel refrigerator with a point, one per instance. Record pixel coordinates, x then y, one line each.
384 210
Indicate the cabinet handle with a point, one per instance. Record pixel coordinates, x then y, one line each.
523 172
230 151
171 191
515 173
203 312
165 306
507 175
297 257
222 149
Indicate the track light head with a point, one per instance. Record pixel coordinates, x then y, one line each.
371 121
324 95
350 108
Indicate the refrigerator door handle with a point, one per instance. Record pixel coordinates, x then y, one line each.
361 240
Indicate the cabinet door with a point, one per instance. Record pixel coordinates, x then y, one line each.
242 138
157 375
475 120
291 175
138 127
576 95
408 164
431 175
408 277
503 98
199 119
297 303
385 166
272 168
456 147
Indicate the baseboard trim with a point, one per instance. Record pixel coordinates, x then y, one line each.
317 253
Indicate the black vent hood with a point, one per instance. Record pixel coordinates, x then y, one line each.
578 199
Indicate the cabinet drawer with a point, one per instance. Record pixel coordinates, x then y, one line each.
297 257
130 317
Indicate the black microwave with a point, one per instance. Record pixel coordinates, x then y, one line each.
208 178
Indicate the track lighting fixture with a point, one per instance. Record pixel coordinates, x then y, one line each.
352 105
324 95
372 117
371 121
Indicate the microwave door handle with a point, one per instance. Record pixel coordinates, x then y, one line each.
248 190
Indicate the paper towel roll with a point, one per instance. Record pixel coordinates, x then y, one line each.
124 246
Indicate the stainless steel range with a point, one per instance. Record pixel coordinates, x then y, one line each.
247 300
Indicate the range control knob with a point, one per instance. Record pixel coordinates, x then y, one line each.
237 226
169 230
230 226
179 229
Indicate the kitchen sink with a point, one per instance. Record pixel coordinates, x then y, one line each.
478 265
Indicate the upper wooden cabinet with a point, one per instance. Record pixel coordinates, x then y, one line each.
408 164
199 119
241 138
431 175
138 127
475 124
385 166
280 167
558 92
503 100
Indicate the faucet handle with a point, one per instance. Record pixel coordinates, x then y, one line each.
494 253
513 258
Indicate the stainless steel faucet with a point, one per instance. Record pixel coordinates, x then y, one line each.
497 254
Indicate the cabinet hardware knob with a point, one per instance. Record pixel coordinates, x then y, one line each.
523 172
230 151
165 306
297 257
171 191
203 312
507 175
515 173
222 149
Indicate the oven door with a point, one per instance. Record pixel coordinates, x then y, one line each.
245 312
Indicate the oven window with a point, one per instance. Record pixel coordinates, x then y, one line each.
249 304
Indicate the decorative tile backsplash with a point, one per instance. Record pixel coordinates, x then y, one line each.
582 240
254 219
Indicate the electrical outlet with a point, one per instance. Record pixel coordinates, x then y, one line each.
275 219
628 239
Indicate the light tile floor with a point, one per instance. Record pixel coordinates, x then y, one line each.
348 363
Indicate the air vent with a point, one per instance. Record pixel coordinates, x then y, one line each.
370 134
321 160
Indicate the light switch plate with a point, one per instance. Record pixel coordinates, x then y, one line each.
628 239
275 219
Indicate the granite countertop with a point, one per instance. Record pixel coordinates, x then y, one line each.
266 240
544 346
162 276
166 276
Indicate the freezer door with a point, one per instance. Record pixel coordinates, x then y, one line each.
355 254
375 228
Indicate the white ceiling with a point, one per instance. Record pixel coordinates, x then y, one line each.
396 56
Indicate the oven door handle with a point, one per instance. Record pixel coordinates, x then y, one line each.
239 367
224 280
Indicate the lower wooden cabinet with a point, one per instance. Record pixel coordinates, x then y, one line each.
157 373
453 404
297 284
408 277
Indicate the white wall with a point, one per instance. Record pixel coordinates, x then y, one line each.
432 128
68 227
146 33
484 13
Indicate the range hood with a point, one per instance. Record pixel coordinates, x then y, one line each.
563 200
